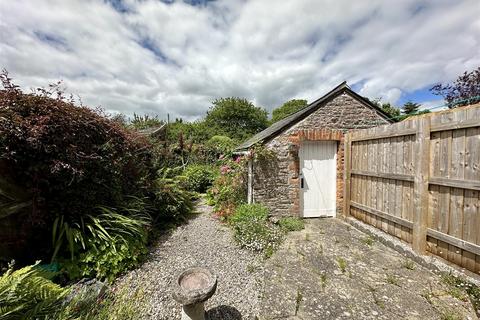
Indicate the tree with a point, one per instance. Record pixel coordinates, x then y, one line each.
287 109
466 89
236 118
219 145
392 111
410 108
120 118
140 122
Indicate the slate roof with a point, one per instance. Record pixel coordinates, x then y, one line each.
152 131
284 124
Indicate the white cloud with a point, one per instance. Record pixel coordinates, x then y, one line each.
155 57
433 105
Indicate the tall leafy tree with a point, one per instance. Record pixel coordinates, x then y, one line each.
287 109
392 111
236 118
140 122
410 108
465 88
197 131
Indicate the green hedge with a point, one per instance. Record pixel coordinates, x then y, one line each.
199 177
64 163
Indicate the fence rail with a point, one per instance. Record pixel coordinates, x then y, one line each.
419 180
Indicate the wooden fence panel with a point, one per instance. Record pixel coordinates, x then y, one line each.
419 180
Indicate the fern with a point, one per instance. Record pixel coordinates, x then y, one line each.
173 202
28 293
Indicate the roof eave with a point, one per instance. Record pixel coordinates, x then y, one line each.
312 107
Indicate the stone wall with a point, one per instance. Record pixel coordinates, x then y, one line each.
276 184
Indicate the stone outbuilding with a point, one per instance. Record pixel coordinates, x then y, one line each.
303 176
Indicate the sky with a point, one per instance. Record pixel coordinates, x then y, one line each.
157 57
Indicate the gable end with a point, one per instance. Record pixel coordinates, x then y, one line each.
285 124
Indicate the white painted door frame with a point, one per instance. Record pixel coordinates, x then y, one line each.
318 180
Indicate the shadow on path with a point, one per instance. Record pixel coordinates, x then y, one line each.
224 312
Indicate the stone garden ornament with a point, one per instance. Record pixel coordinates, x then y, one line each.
193 287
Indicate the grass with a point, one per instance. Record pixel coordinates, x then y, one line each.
268 252
462 289
445 314
291 224
393 279
457 293
450 315
323 280
123 304
377 301
298 300
342 264
251 268
408 264
368 240
428 296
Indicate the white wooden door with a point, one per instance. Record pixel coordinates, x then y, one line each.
318 178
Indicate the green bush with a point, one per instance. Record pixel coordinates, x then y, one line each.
68 159
199 177
253 231
229 188
110 244
173 203
220 145
28 293
291 224
249 212
127 303
108 260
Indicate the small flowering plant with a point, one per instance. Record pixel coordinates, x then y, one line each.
230 188
253 231
225 169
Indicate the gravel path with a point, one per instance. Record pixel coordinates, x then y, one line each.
203 241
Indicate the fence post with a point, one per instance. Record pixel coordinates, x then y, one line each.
420 197
347 154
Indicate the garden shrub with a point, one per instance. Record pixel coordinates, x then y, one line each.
229 189
253 231
107 244
198 177
248 212
125 304
291 224
220 145
29 293
107 260
173 203
68 158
